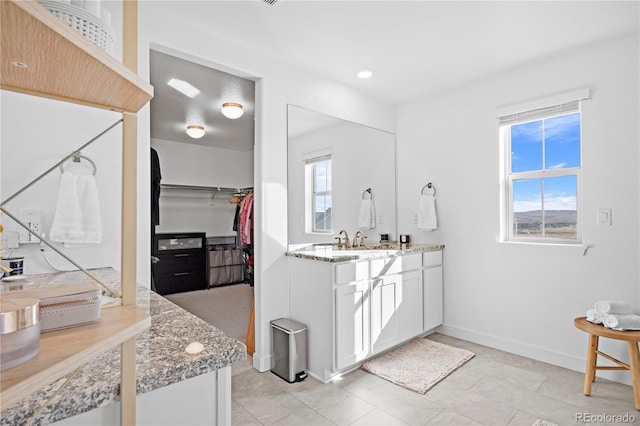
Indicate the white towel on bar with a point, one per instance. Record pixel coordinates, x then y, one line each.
604 307
427 218
77 218
622 321
367 214
594 317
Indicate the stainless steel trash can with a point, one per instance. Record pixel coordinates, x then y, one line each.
289 345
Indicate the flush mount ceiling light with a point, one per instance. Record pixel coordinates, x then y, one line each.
184 87
232 110
364 74
195 131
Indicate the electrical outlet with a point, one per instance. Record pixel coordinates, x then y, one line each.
33 219
415 219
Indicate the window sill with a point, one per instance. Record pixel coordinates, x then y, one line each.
546 248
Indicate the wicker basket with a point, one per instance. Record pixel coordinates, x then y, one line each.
89 26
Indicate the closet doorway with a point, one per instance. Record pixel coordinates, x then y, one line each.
202 162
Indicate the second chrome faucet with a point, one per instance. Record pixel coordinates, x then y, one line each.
355 239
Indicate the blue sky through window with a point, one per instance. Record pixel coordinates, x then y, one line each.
546 144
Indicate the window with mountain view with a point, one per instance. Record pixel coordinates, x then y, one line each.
542 174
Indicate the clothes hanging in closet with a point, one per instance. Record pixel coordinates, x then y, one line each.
245 219
155 188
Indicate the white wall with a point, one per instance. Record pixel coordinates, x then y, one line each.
190 164
276 86
524 299
36 133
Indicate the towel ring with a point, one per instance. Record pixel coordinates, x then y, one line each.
76 159
430 186
365 191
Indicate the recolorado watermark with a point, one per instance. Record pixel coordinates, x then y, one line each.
605 418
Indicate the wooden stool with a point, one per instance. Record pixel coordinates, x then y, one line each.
595 332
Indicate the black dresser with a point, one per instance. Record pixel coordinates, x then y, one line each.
182 264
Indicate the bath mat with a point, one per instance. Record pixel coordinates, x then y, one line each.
419 364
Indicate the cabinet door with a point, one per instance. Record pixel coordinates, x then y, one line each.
386 297
410 305
433 301
352 323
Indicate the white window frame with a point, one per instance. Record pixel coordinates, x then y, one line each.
536 111
311 164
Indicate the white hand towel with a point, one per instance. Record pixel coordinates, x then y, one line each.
594 317
427 219
367 214
77 218
622 321
604 307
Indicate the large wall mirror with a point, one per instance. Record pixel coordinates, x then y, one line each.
333 165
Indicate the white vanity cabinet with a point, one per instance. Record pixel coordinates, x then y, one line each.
357 309
432 290
352 323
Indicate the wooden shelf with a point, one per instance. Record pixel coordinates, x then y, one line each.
61 63
62 351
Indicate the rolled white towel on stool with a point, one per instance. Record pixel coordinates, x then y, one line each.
594 317
622 321
605 307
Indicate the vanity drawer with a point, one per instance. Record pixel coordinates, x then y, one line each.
356 271
395 264
432 258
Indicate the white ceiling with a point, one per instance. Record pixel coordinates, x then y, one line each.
172 111
414 48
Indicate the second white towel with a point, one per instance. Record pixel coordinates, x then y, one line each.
427 218
77 218
622 321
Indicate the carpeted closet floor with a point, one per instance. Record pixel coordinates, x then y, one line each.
227 308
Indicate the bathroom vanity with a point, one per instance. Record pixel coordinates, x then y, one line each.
360 303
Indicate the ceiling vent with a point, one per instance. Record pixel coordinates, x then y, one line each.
270 2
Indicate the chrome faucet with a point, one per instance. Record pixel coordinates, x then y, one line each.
355 239
347 243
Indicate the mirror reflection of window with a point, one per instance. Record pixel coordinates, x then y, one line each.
319 211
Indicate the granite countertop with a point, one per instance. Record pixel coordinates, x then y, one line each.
331 252
161 358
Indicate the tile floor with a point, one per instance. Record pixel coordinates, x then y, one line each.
493 388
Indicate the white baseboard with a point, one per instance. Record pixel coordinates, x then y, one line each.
261 363
519 348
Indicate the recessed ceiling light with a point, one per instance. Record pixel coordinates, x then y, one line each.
364 74
195 131
183 87
232 110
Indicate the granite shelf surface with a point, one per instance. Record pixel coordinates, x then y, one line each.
161 359
333 253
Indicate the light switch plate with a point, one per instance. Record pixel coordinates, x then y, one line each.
604 216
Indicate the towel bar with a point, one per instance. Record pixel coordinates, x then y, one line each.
76 159
430 186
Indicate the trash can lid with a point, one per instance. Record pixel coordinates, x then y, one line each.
289 325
